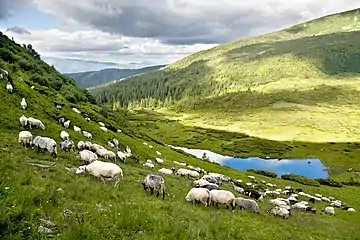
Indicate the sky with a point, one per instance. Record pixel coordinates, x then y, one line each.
85 35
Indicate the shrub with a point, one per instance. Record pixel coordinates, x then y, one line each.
300 179
263 172
329 182
351 182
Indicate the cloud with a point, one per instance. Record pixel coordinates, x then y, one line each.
189 21
18 30
7 5
89 45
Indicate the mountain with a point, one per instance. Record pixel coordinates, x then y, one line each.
95 78
293 84
38 191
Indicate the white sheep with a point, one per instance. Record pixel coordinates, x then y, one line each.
110 144
25 138
198 195
101 124
119 131
81 145
247 204
64 135
150 146
329 210
318 195
351 210
67 124
110 155
336 204
128 150
221 197
155 182
23 121
279 211
23 103
158 153
200 182
67 145
145 143
33 122
159 160
46 143
149 165
181 164
325 199
122 156
166 171
238 189
116 142
299 206
182 172
88 145
87 134
103 170
251 177
77 129
193 174
104 129
76 110
9 87
88 156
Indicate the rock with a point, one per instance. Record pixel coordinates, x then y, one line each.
43 229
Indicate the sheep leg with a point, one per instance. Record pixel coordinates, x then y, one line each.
102 179
163 197
217 205
157 194
151 190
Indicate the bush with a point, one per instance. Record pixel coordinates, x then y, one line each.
300 179
263 172
329 182
351 182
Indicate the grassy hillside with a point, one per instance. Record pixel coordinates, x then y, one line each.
294 84
82 207
95 78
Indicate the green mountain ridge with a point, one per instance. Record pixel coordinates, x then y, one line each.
96 78
226 87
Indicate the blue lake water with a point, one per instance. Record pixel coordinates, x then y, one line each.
314 169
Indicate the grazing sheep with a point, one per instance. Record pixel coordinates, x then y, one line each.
61 121
311 209
351 210
254 194
110 155
67 124
336 204
150 146
119 131
210 179
198 195
251 177
116 142
158 153
103 170
67 145
25 138
58 106
145 143
247 204
88 156
149 165
154 182
64 135
238 189
101 124
87 134
33 122
299 206
166 171
329 210
76 110
182 172
9 87
104 129
128 150
23 121
46 143
279 211
23 103
159 160
200 182
88 145
222 197
318 195
211 186
81 145
278 202
179 163
325 199
77 129
110 144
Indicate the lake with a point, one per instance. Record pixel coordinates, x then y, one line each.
314 169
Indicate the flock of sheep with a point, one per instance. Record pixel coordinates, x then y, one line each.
206 188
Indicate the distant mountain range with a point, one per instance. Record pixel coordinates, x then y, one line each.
95 78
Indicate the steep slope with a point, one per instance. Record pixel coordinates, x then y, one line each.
82 207
311 69
95 78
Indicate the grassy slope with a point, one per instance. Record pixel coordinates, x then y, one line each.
295 84
33 192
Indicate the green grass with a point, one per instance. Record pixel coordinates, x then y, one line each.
29 193
293 84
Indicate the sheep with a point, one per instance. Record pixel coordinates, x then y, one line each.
150 146
166 171
67 145
198 195
238 189
61 121
23 103
87 134
329 210
251 177
103 170
292 200
46 143
222 197
88 145
200 182
181 164
154 182
299 206
25 138
33 122
101 152
159 160
279 211
193 174
325 199
23 121
88 156
81 145
318 195
182 172
77 129
311 209
9 87
278 202
64 135
254 194
67 124
119 131
149 165
101 124
110 144
145 143
76 110
336 204
210 179
247 204
58 106
128 150
351 210
110 155
158 153
211 186
116 142
298 190
104 129
270 185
